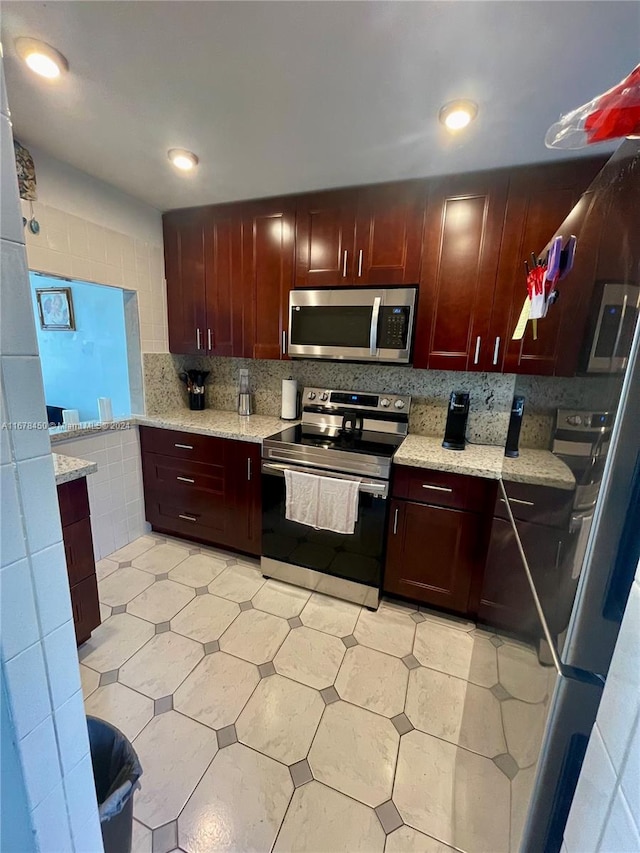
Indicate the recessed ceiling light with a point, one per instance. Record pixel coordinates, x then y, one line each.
182 159
458 114
41 57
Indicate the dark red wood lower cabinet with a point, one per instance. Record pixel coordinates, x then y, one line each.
85 607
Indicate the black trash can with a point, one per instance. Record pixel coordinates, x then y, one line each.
116 771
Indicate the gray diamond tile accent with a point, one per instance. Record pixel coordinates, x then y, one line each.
329 694
125 564
162 627
496 641
500 693
162 577
202 590
165 838
350 641
417 617
389 816
266 669
410 662
246 605
295 622
300 773
402 724
108 677
507 764
213 646
162 705
119 608
226 736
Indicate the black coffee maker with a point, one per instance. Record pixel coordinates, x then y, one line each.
457 414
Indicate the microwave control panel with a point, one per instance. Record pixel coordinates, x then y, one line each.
393 327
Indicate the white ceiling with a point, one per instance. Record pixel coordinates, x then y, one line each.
283 97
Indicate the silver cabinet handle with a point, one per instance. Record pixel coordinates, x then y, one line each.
248 467
477 355
185 479
373 332
518 501
395 522
184 446
436 488
344 264
360 264
209 344
284 342
187 517
198 342
496 350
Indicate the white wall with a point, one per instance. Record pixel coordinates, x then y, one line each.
605 815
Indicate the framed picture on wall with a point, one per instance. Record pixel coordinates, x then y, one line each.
55 307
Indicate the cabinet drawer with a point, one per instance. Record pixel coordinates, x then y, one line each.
85 608
168 475
183 445
208 524
541 504
440 488
73 501
78 549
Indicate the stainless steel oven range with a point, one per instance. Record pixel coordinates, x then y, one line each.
346 435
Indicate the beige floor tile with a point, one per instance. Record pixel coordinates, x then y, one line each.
198 570
408 840
387 630
105 567
133 549
320 819
354 751
238 805
281 599
161 601
140 838
456 652
455 710
447 619
217 690
521 674
238 583
523 727
521 790
174 752
311 657
115 641
105 612
161 558
330 615
254 636
395 604
124 708
281 719
373 680
162 665
205 618
121 586
90 680
451 794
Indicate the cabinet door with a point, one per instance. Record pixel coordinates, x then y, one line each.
85 608
432 553
325 232
389 234
540 198
268 268
247 512
185 274
463 227
224 282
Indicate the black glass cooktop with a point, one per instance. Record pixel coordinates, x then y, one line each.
365 442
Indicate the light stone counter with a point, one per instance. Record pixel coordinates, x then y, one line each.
68 468
538 467
426 451
252 428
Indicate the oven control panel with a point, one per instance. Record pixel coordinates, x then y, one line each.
330 400
581 421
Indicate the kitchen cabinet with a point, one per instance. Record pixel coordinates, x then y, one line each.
183 232
224 328
437 536
73 502
202 488
365 236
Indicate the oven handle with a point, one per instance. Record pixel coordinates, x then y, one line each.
369 487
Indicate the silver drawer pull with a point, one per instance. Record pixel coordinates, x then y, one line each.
184 446
437 488
517 501
188 517
185 479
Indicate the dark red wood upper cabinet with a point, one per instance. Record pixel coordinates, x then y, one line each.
325 234
268 261
224 333
463 226
540 198
185 274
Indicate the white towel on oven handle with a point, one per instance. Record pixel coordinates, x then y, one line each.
302 497
325 503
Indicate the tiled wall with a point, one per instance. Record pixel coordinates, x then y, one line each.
39 658
115 490
605 815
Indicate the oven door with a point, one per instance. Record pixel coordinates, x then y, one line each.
357 557
614 329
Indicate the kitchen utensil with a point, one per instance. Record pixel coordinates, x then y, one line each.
195 382
456 428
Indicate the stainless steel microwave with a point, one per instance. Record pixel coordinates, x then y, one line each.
615 321
352 324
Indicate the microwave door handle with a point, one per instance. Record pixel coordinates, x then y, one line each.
625 299
373 335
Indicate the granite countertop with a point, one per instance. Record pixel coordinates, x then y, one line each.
252 428
66 432
538 467
68 468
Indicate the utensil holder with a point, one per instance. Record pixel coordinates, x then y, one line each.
196 401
